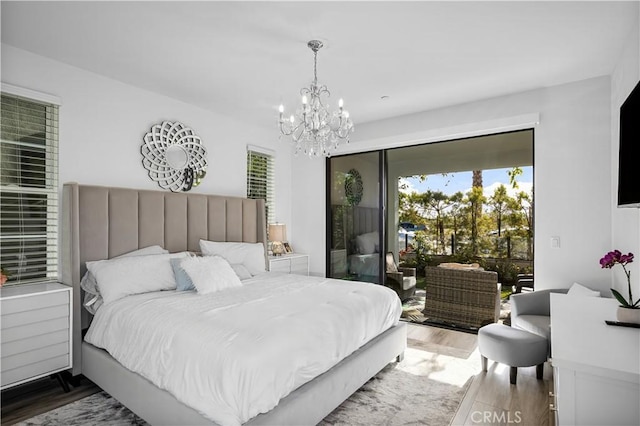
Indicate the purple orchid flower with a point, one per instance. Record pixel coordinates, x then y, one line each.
609 260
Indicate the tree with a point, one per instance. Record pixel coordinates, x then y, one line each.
476 182
498 203
476 179
475 198
455 207
525 202
437 203
513 175
411 208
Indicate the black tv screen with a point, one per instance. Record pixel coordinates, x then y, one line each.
629 158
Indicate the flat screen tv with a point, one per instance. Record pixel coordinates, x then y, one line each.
629 158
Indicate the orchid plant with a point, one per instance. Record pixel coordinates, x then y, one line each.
609 261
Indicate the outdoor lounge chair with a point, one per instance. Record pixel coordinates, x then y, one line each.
402 280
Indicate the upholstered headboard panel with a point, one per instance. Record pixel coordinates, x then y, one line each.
347 222
103 222
365 219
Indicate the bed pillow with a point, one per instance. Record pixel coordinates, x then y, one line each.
368 243
250 255
241 271
145 251
124 276
183 281
580 290
92 298
210 274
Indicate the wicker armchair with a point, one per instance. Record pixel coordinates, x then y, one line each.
402 280
467 298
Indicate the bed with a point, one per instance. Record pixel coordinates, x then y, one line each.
103 222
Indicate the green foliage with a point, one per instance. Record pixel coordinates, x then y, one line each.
421 250
513 175
410 208
464 254
623 301
505 292
507 271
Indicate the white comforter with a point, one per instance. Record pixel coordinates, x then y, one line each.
234 354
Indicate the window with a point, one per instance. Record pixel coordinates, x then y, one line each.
28 186
260 178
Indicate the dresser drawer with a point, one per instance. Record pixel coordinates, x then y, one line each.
280 265
36 331
33 302
37 369
34 356
36 315
35 342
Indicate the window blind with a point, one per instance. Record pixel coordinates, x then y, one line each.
28 189
261 181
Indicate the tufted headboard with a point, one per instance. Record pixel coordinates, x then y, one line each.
102 222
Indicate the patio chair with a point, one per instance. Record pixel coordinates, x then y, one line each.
523 280
462 297
401 280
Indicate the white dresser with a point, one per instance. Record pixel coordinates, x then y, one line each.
290 263
596 367
36 331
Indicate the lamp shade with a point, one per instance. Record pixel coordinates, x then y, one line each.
278 232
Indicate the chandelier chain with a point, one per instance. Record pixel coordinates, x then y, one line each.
315 67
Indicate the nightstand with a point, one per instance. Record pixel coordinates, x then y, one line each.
36 331
294 263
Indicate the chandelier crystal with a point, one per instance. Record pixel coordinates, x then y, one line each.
314 129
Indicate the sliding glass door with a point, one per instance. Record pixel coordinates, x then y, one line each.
355 232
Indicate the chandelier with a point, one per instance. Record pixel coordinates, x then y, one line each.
314 129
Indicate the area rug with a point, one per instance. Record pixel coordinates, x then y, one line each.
423 389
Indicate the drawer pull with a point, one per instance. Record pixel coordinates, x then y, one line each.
551 394
552 407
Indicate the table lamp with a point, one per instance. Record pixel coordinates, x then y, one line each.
277 234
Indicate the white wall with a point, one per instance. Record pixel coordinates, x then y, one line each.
572 159
103 121
625 224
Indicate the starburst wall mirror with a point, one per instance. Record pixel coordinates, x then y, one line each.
174 156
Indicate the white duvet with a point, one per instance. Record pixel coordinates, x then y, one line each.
234 354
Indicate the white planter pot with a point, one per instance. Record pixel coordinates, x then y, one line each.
628 315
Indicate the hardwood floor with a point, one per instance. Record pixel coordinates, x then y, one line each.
25 401
490 400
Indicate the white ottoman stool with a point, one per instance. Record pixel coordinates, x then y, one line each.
513 347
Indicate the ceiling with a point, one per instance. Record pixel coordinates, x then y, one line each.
502 150
245 58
